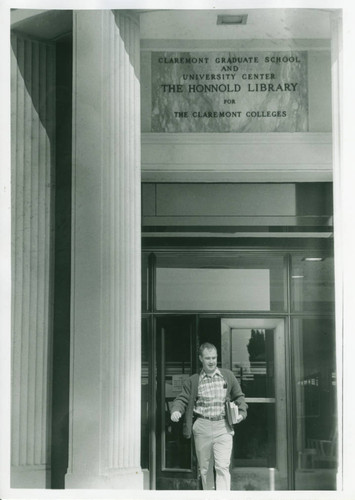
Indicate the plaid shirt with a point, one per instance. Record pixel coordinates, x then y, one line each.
211 395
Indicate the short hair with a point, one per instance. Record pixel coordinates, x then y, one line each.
208 346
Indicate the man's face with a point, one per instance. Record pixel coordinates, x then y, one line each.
209 360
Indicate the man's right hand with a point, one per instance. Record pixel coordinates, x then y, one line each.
175 416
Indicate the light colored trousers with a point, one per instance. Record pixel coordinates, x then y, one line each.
213 444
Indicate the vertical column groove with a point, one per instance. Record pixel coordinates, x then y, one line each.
122 164
105 314
32 82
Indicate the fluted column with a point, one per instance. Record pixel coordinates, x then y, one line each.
32 122
104 445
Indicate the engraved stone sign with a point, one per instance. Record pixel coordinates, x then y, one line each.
229 92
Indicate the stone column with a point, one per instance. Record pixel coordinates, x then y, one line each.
32 158
104 444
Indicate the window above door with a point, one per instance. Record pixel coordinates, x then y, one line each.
210 281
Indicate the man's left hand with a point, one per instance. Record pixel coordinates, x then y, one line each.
239 419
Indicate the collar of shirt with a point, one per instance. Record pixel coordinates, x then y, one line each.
203 374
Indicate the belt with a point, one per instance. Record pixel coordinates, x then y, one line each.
213 419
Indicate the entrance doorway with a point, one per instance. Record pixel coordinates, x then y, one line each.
254 349
275 331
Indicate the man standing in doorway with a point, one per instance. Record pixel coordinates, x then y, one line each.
202 400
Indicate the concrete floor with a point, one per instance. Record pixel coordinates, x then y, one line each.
260 479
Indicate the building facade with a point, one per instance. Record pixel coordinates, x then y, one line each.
172 183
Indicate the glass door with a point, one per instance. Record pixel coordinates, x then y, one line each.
254 349
176 465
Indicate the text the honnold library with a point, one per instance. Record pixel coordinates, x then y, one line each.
215 92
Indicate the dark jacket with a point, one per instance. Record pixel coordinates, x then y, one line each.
185 401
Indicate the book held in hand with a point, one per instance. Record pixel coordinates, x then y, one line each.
231 412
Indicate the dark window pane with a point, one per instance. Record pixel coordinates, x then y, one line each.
312 283
175 335
316 418
145 397
145 281
256 371
254 442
